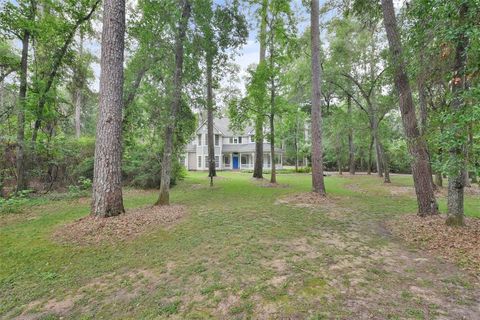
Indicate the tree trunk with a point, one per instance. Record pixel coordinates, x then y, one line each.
296 144
79 95
273 175
210 137
456 179
107 180
370 147
259 119
438 179
317 153
386 167
378 146
20 156
351 147
164 196
417 146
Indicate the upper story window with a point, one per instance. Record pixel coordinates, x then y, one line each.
199 139
217 140
252 138
235 140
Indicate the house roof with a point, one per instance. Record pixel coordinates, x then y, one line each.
223 125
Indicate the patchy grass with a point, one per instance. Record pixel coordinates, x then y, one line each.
243 251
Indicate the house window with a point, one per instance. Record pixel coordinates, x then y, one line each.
252 138
199 163
217 140
244 159
217 161
199 139
226 161
235 140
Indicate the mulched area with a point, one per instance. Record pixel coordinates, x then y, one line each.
460 245
92 230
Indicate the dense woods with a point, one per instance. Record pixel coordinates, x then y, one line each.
366 86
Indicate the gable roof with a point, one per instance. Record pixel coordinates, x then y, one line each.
223 126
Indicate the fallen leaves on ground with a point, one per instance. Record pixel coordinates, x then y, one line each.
94 230
460 245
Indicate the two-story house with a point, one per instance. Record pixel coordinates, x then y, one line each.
233 150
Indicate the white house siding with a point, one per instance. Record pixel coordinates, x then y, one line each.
192 161
226 152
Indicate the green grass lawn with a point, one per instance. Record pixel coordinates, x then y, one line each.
237 254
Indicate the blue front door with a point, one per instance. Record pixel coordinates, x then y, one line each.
235 162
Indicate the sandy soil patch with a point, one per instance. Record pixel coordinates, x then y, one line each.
307 199
92 230
456 244
264 183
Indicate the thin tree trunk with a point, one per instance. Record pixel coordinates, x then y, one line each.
439 179
20 156
164 196
456 180
351 147
296 144
210 137
273 175
259 119
107 178
386 166
378 147
339 165
79 94
421 169
370 147
317 153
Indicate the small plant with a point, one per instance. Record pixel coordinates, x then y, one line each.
15 202
79 189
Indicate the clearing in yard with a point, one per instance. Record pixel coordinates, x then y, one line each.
239 250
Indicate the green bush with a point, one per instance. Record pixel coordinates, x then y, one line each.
14 203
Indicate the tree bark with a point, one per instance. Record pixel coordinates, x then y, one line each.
259 119
439 179
164 196
107 180
386 167
456 179
378 146
417 146
316 113
210 137
79 95
370 147
273 174
20 154
351 147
